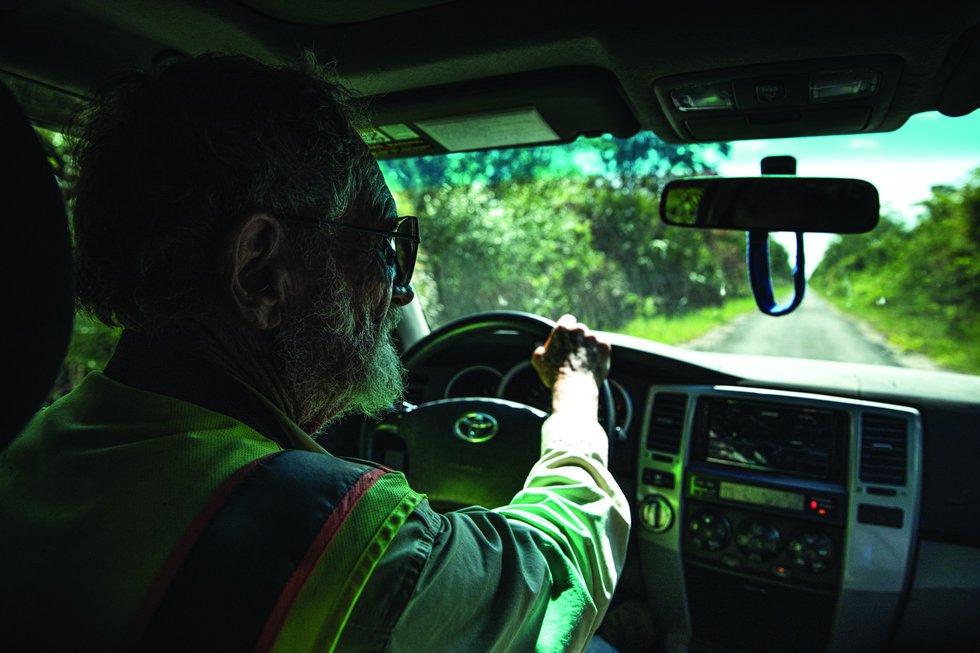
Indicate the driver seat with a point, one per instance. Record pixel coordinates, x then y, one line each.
37 264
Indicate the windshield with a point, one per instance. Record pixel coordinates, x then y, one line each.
575 228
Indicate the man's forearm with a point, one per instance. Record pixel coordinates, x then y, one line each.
572 499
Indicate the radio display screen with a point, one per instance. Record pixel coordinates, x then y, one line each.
761 496
791 439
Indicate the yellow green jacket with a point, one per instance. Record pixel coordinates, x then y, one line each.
97 492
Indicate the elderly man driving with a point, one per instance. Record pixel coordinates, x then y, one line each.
231 220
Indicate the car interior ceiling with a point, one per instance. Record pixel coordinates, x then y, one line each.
427 59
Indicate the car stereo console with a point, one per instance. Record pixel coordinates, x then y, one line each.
768 517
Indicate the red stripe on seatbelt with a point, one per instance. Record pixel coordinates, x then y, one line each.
337 518
180 552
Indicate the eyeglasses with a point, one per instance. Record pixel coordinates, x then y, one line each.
406 242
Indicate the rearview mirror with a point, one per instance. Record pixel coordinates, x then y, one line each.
771 203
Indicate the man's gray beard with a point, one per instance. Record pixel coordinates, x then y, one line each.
336 359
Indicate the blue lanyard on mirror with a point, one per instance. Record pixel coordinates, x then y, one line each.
760 277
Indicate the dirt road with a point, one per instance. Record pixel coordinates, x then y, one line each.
814 330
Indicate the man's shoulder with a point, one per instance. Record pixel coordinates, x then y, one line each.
300 461
311 477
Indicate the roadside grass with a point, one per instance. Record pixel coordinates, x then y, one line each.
688 326
954 347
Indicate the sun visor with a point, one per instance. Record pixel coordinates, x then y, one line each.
556 106
793 99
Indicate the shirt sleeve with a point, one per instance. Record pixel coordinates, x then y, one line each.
535 575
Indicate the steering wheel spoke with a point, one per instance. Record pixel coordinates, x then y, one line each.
473 450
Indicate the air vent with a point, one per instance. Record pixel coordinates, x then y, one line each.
667 422
883 447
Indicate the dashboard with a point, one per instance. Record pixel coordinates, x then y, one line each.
750 503
778 504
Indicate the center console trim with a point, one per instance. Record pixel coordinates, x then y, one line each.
876 559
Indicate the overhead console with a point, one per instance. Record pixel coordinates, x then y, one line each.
804 98
771 517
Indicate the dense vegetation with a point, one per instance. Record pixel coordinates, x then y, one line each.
919 284
566 228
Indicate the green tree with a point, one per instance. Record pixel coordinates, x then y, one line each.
565 226
920 284
555 245
509 246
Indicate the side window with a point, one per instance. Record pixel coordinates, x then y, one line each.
92 342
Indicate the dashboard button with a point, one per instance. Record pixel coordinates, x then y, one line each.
730 561
658 478
758 541
709 532
656 513
879 515
780 571
812 552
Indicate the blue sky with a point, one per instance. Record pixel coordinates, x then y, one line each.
929 149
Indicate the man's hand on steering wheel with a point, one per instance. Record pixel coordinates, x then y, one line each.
573 362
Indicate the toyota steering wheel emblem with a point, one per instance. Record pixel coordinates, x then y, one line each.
475 427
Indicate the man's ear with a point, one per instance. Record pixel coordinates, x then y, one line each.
259 275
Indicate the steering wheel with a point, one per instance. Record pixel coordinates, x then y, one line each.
473 450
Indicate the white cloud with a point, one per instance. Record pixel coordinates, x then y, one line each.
863 144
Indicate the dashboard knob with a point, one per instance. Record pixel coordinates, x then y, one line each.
812 552
709 532
758 541
656 513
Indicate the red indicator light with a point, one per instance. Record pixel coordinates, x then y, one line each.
822 511
813 505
